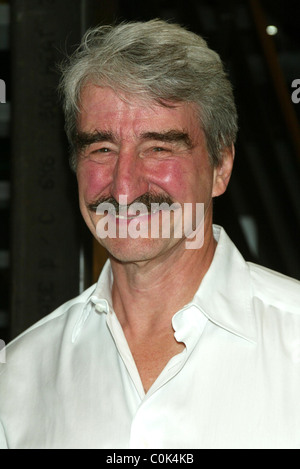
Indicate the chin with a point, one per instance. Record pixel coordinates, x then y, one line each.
135 250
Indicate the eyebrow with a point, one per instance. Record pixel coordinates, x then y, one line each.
84 139
169 136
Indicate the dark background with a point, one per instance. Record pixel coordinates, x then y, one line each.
46 254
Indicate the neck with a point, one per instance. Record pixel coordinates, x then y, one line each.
147 294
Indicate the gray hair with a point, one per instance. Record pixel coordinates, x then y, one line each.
153 60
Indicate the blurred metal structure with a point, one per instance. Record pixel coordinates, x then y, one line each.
5 143
44 214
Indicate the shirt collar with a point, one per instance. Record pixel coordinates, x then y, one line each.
99 299
224 295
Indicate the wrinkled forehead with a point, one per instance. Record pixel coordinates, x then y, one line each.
102 108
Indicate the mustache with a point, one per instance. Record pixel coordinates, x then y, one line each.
146 199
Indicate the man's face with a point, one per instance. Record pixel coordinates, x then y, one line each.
129 149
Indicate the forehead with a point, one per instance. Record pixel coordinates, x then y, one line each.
103 108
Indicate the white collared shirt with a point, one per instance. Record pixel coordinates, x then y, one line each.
70 380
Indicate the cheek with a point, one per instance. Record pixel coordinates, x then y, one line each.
92 180
185 182
170 177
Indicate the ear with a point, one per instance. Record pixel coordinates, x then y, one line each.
223 171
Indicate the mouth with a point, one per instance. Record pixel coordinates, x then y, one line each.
132 217
126 217
159 217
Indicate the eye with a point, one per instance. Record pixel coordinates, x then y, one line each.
156 152
100 154
161 150
101 150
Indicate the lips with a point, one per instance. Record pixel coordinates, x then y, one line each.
131 217
134 214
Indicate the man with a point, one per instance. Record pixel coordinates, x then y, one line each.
181 344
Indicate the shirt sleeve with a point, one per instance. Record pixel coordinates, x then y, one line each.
3 442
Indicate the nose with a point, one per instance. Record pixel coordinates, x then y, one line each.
129 177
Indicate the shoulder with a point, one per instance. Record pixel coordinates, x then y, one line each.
275 289
49 329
